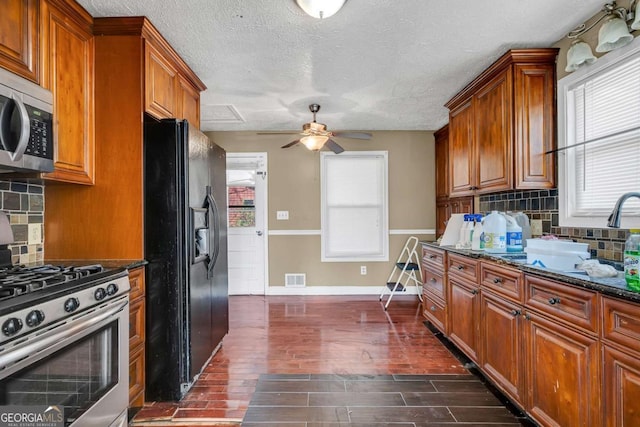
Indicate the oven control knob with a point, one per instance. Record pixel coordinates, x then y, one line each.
34 318
99 294
11 326
112 288
71 305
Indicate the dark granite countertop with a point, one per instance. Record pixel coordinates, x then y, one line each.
614 286
106 263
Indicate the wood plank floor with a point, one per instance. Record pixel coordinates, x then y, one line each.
311 337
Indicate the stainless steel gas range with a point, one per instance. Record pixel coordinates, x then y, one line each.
64 334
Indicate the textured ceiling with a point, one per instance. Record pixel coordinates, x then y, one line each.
375 65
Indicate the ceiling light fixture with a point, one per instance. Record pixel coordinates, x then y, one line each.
613 34
314 142
321 8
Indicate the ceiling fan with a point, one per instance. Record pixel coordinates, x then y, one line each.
316 136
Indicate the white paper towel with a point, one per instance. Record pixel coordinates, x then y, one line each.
451 234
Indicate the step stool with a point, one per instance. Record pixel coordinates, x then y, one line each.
407 269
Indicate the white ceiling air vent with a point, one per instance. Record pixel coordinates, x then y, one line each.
220 114
295 280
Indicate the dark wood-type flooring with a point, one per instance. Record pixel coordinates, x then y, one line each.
331 361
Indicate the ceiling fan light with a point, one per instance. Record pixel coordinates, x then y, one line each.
314 142
613 34
579 54
321 9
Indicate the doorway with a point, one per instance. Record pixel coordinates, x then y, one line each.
247 237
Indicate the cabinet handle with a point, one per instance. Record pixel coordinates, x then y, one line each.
554 300
433 280
516 312
497 280
527 317
433 308
460 267
475 292
432 256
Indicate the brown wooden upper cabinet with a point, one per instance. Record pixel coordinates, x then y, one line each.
68 71
501 125
161 92
441 137
19 41
168 92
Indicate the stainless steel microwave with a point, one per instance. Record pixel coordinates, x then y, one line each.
26 125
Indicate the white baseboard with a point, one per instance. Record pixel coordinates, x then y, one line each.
335 290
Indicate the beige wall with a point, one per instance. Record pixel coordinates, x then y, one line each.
294 185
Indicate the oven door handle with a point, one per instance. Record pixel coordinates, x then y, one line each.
42 343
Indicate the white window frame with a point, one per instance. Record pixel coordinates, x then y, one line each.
352 255
566 183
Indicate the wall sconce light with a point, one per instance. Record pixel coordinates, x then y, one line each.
613 34
321 8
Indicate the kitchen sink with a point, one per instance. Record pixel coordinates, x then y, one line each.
519 258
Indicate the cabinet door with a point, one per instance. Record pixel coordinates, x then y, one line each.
442 162
69 49
161 84
563 373
501 347
621 388
534 117
19 40
189 103
492 133
464 313
461 205
462 181
443 212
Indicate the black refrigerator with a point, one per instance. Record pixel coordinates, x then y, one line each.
185 221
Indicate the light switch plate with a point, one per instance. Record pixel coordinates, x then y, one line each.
282 215
35 234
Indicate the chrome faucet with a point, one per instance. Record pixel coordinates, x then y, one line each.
614 218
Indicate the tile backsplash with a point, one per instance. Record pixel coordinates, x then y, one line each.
604 243
23 202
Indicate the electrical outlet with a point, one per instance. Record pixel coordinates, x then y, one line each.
536 227
363 270
35 234
282 215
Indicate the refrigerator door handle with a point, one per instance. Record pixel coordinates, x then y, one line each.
215 239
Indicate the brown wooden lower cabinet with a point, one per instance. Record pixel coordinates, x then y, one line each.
136 337
621 397
502 345
567 355
136 378
464 316
563 373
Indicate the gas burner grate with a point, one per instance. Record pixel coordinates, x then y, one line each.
18 280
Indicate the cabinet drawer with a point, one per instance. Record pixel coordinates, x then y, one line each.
574 305
434 311
462 266
621 323
136 323
136 281
434 258
434 283
505 281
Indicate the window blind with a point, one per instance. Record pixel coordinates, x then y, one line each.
603 110
354 207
